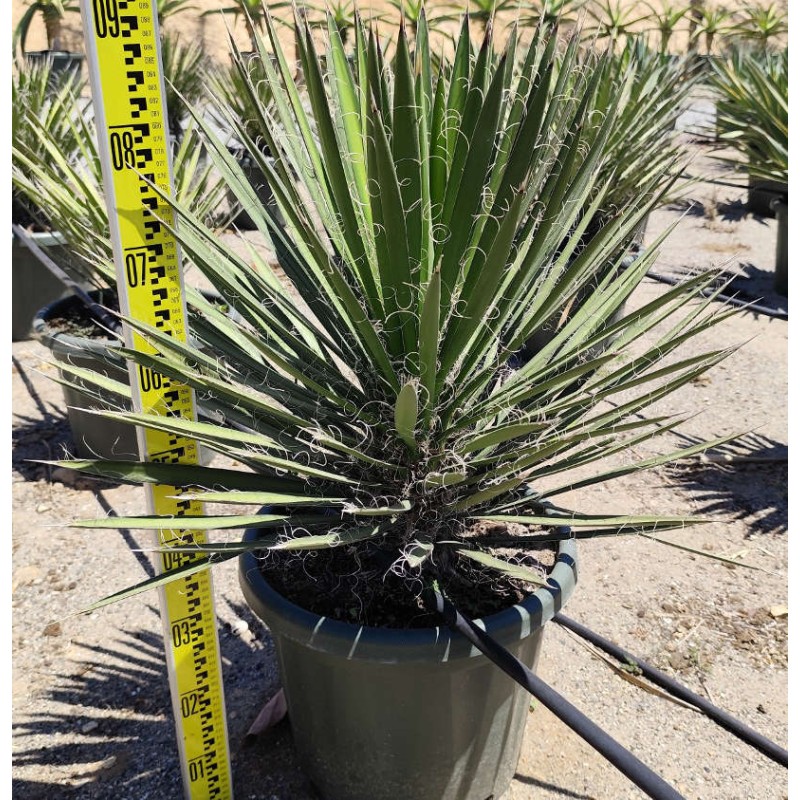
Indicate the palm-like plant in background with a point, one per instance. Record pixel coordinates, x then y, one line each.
644 92
56 170
753 111
52 13
367 392
551 13
36 107
613 20
760 25
712 23
184 74
666 20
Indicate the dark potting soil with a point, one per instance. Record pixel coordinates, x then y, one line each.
74 318
358 584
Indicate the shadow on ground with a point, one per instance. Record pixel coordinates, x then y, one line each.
116 698
747 480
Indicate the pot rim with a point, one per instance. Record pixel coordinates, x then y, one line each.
69 341
350 640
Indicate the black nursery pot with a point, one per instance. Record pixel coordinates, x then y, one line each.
761 194
256 178
93 436
32 284
382 714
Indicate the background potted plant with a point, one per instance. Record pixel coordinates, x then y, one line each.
612 21
64 186
369 397
762 26
233 110
711 25
52 13
666 20
39 113
645 92
753 118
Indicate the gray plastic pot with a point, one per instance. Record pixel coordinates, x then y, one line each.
780 207
32 284
93 436
384 714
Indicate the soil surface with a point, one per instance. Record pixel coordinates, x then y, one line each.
90 698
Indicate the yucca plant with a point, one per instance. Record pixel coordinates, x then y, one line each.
64 184
753 111
760 25
613 20
712 23
36 107
432 221
252 12
550 13
52 13
424 242
184 73
665 21
645 92
412 11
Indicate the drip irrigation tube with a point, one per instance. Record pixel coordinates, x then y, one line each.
657 677
771 312
630 766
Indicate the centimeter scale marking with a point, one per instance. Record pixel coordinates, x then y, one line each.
127 87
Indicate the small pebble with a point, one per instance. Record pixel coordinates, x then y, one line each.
90 726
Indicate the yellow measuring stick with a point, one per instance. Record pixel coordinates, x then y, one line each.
128 92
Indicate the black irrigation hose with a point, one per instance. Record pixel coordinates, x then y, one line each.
639 773
758 309
657 677
715 182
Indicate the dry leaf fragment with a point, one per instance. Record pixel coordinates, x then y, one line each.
272 713
779 612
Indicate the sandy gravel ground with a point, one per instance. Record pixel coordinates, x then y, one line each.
90 701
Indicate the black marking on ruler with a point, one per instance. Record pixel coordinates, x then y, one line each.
140 130
159 296
134 51
145 156
140 106
153 227
128 24
172 456
136 76
145 188
163 317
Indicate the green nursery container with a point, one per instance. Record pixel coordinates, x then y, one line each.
383 714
